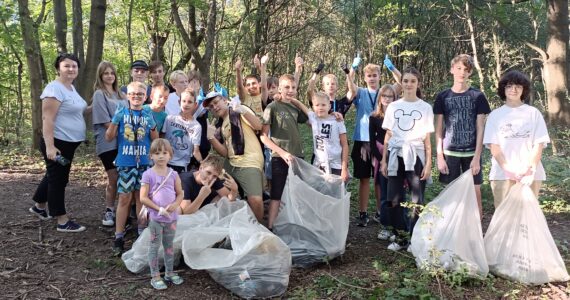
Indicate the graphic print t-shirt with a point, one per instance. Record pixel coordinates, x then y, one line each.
326 141
460 112
516 130
409 121
183 136
133 137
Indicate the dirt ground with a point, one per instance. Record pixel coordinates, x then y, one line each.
36 261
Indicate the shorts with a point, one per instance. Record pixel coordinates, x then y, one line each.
362 168
249 179
457 166
108 159
333 171
279 172
130 179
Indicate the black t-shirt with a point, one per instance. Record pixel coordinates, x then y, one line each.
377 134
460 112
192 188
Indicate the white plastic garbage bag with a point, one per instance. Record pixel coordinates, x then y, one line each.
448 232
241 255
136 259
518 243
314 214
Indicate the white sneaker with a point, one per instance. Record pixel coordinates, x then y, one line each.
394 247
384 235
108 218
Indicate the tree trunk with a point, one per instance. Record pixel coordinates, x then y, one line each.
555 71
35 66
60 20
78 48
129 23
193 39
474 47
95 47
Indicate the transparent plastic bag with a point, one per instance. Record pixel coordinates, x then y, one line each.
241 255
448 232
136 259
518 243
314 214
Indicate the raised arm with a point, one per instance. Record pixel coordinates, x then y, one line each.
298 68
298 104
263 73
239 80
352 88
312 87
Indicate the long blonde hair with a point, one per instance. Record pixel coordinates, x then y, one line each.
100 85
379 112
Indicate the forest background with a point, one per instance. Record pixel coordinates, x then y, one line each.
209 35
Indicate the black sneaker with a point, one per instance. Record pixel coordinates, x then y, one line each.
118 246
363 219
41 213
70 226
376 217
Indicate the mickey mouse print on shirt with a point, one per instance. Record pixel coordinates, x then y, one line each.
409 121
406 122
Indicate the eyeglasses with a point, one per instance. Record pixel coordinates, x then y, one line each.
136 94
516 87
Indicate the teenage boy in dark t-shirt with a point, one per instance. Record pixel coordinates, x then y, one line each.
459 123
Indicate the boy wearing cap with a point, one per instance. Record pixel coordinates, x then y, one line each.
234 137
139 73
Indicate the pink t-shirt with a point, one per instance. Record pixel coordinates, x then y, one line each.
164 197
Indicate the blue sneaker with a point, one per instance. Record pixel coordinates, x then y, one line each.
70 226
41 213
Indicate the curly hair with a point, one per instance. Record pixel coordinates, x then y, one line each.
514 77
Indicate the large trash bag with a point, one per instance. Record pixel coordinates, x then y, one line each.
314 214
518 243
448 232
241 255
136 259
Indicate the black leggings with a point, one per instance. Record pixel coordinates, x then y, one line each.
396 213
52 186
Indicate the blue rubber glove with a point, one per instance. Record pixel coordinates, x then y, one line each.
201 96
222 90
356 62
388 63
118 116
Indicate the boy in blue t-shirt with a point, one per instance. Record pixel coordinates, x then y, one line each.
365 101
134 128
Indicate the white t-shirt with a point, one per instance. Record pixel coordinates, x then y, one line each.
183 136
172 106
326 141
69 124
409 121
516 130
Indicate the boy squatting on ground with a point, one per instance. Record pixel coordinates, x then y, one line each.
233 137
459 123
282 117
134 128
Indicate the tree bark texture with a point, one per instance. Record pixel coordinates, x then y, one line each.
36 69
555 67
77 30
60 20
95 48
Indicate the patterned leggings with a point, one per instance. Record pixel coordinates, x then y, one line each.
161 232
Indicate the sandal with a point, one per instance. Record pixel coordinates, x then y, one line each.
158 284
175 279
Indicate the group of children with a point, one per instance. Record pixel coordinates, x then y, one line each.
392 142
